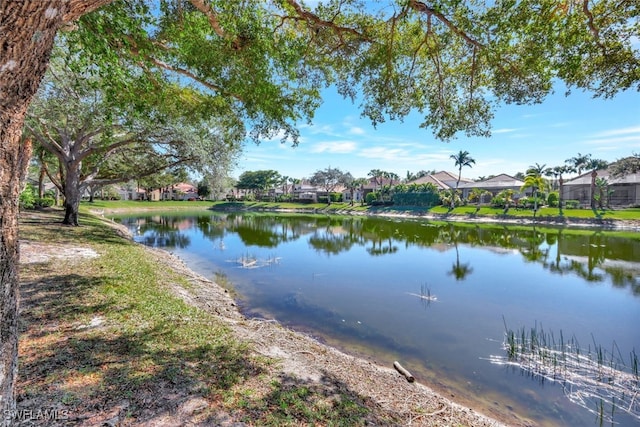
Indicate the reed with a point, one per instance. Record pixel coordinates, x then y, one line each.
596 379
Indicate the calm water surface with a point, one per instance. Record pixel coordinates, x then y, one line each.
434 296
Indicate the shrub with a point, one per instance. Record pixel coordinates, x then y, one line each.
336 197
423 199
27 198
528 202
552 199
572 204
371 197
498 202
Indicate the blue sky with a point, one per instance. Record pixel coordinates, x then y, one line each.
547 133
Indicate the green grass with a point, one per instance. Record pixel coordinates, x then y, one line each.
138 204
618 214
346 208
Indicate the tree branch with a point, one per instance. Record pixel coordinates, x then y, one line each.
422 7
77 8
317 22
134 50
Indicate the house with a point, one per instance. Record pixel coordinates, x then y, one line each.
494 186
131 193
180 191
623 191
431 179
443 180
305 191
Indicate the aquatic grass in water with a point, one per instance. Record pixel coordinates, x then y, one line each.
594 379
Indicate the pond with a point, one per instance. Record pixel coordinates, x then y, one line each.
540 322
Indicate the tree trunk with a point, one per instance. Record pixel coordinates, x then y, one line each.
27 32
594 174
72 194
560 198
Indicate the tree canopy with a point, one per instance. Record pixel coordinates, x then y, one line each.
98 140
263 64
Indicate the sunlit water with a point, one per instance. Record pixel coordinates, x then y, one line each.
436 297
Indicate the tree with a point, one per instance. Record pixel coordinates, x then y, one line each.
265 62
258 182
356 184
284 180
477 194
461 159
378 177
329 179
204 189
536 182
585 162
603 194
626 166
557 172
99 142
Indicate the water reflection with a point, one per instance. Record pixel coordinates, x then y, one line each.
594 256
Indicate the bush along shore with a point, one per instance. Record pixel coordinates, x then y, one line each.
114 333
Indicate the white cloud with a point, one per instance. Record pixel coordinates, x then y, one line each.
334 147
504 130
401 155
623 131
355 130
616 139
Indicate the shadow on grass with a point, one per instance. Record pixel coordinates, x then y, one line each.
74 357
41 223
78 357
293 401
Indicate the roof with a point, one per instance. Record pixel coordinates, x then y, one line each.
185 188
430 179
585 178
443 180
499 181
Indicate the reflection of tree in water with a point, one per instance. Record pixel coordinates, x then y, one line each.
593 256
382 247
458 270
164 231
264 231
211 227
334 237
534 251
621 278
330 243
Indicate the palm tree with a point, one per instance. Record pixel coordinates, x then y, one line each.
603 193
535 181
358 184
461 159
557 172
477 194
594 165
538 169
378 176
579 162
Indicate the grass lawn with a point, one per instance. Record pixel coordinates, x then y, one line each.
628 214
